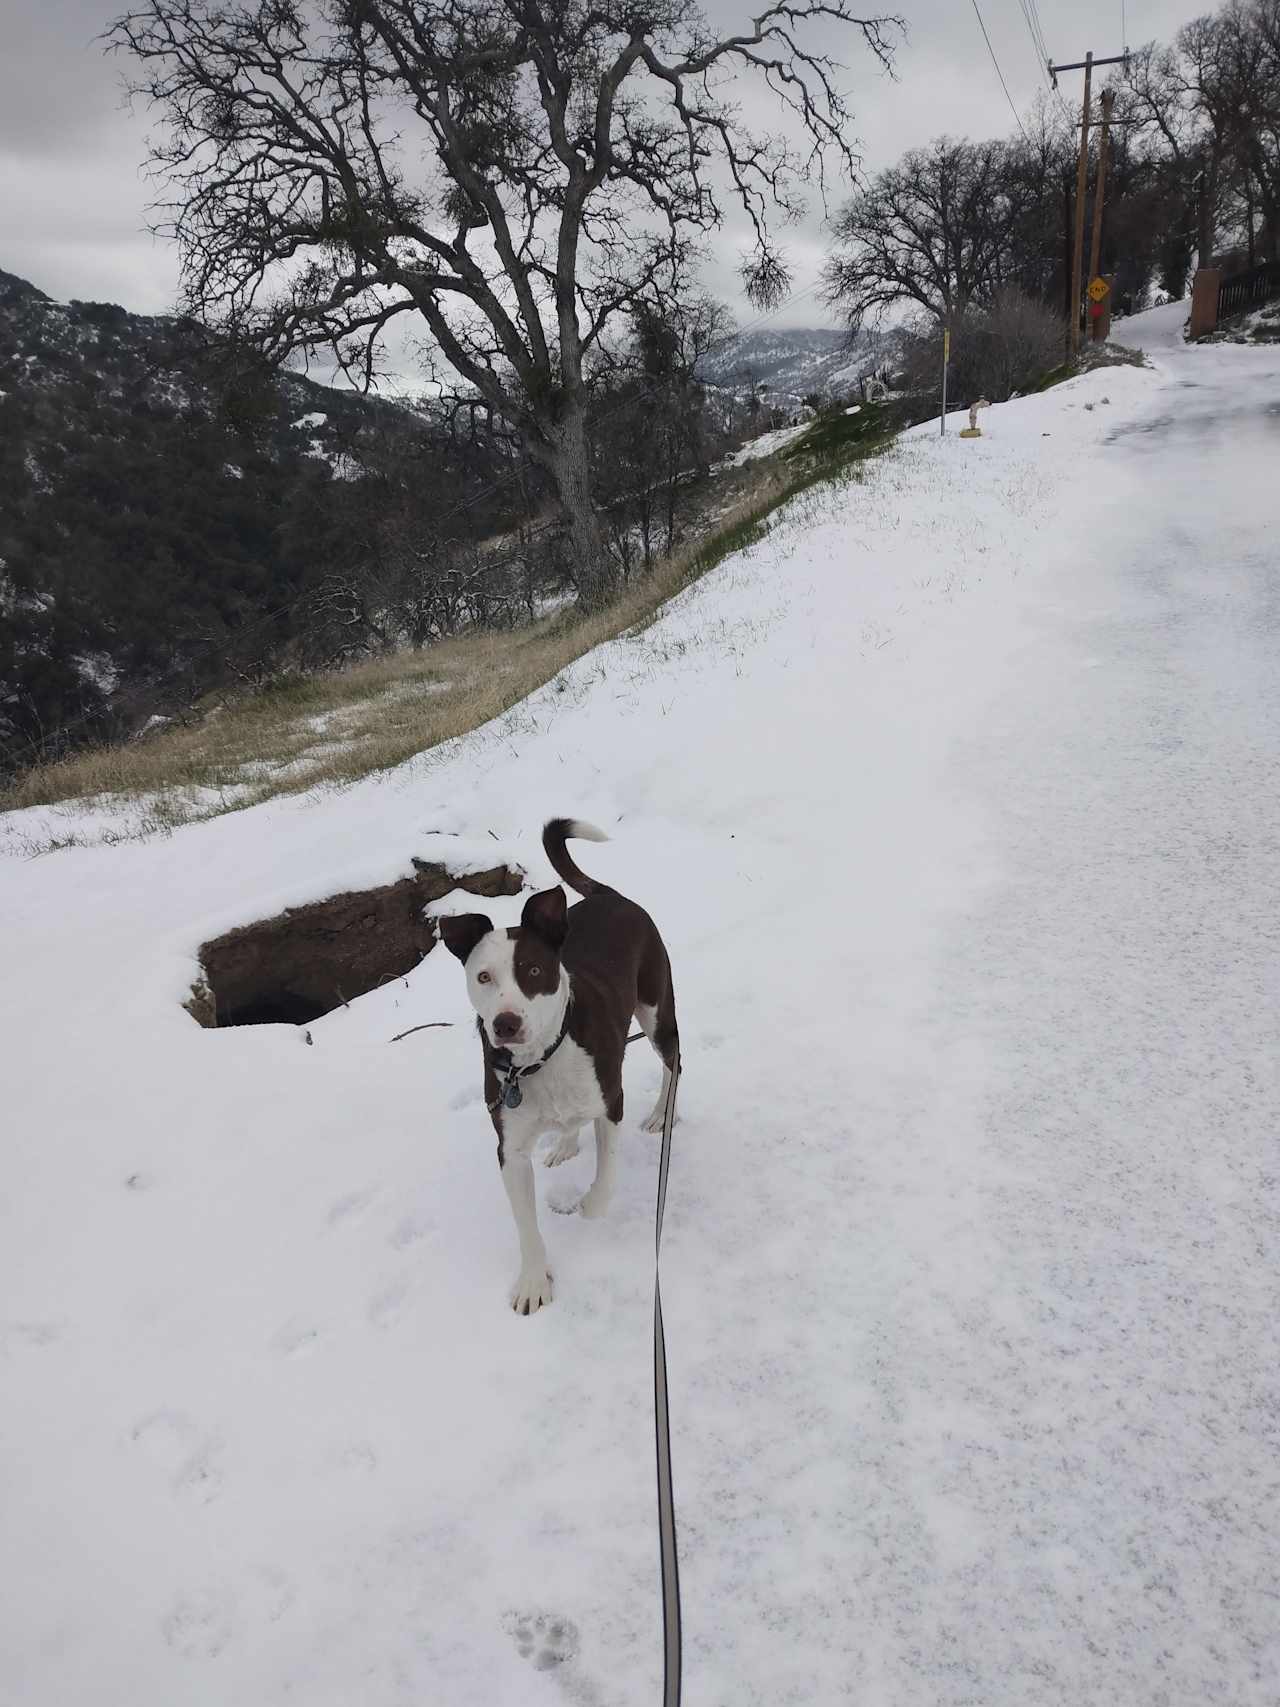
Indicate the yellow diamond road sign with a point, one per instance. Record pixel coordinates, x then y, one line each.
1098 289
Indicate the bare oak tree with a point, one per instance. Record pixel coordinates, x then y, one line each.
513 173
933 232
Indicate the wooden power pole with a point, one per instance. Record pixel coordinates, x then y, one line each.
1082 184
1082 181
1100 186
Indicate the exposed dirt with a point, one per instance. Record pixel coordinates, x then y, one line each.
308 960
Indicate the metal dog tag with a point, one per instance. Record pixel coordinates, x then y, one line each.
513 1096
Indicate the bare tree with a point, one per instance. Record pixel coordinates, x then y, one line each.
514 174
996 349
1254 45
650 427
933 231
1207 99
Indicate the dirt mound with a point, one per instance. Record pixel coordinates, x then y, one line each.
308 960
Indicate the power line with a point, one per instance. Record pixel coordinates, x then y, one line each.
1032 21
1039 28
1000 74
1039 41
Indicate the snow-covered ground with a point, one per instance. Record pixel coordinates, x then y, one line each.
766 444
955 800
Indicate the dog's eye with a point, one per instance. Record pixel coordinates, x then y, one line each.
483 978
534 974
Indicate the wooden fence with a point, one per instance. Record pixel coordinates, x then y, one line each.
1243 291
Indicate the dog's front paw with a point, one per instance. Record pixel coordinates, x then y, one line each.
655 1120
594 1204
531 1291
564 1150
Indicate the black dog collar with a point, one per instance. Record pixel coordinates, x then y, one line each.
509 1093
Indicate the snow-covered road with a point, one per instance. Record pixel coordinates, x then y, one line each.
956 802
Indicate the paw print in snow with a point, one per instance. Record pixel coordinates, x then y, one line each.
543 1639
183 1452
199 1625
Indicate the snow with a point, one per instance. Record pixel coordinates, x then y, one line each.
316 418
344 467
98 668
766 445
953 799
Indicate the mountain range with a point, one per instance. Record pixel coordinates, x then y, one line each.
790 364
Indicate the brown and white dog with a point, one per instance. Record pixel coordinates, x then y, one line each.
554 998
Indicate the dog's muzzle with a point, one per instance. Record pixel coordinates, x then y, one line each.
506 1027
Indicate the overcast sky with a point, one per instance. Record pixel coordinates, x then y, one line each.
73 196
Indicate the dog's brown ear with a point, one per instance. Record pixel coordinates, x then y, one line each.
544 915
460 932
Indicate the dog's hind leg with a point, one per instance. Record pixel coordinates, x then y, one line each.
659 1025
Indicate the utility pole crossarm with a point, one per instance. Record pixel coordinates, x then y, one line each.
1080 64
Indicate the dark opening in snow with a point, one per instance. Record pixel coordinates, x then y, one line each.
295 967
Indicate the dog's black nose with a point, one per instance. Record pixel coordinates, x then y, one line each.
506 1026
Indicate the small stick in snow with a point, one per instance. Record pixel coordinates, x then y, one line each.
429 1026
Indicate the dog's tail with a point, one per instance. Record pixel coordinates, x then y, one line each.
555 835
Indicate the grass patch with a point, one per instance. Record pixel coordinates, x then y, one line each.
835 436
300 731
1093 357
1055 376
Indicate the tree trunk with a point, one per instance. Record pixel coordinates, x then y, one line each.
595 574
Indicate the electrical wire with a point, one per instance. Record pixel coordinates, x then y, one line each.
1037 39
1000 74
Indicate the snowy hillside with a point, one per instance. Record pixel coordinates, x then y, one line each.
949 797
163 510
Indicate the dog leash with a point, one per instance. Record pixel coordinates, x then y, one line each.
667 1554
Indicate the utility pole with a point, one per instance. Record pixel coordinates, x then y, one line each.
1082 178
1082 184
1100 188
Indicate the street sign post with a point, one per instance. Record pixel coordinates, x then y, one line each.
946 357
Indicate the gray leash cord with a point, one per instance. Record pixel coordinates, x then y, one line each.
669 1559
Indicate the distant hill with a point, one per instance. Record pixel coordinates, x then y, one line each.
793 364
173 519
160 506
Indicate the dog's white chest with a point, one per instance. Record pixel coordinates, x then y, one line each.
562 1097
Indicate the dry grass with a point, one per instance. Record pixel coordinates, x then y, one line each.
304 731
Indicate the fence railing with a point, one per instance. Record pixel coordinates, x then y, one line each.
1244 291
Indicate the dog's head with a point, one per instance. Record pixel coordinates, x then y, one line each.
514 977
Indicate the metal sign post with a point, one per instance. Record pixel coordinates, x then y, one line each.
946 357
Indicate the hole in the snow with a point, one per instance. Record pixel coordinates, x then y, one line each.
306 961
